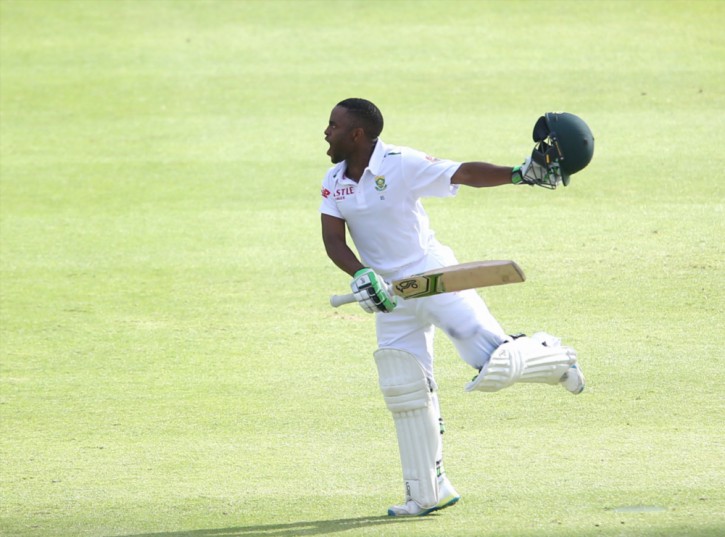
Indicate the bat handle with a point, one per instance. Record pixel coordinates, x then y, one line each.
339 300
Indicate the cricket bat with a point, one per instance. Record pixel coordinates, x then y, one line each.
449 279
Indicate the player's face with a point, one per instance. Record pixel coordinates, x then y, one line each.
339 134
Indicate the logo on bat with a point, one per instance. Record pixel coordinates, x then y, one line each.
402 285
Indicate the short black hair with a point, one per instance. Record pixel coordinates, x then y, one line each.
369 115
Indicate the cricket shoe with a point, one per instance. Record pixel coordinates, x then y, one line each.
573 379
448 496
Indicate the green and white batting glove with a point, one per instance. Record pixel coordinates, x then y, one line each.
533 173
372 292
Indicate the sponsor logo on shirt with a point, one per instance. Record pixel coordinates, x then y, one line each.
342 193
325 193
432 159
380 183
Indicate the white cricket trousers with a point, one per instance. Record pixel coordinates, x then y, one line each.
463 316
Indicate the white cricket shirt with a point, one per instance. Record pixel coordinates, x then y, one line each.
383 212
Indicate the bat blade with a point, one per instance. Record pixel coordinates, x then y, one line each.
458 278
449 279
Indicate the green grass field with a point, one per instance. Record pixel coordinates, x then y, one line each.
169 362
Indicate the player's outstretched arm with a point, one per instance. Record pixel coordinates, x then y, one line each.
482 174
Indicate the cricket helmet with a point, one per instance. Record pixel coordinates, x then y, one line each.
564 138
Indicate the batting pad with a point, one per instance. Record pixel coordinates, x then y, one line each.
407 394
540 359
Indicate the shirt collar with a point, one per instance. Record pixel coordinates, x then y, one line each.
374 165
376 158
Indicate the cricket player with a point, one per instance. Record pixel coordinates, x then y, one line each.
374 192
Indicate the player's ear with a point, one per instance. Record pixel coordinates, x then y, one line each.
358 133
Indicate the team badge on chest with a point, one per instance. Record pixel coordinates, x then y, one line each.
380 183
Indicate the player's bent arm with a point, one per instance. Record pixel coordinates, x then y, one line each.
334 238
481 174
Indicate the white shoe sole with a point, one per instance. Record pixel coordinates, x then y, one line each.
446 502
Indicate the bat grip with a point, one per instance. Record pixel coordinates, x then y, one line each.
339 300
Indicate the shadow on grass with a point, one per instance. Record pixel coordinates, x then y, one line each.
293 529
326 527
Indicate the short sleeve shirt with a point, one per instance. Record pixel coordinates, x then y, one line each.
383 211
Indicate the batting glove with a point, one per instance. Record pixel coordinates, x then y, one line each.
372 292
533 173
